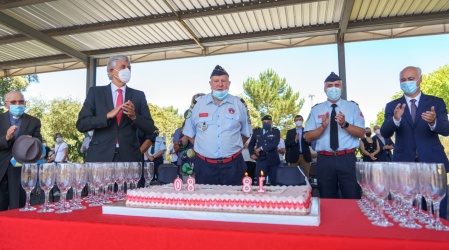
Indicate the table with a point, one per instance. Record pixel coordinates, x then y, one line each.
343 226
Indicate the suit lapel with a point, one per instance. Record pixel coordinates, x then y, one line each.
108 97
128 96
421 107
24 124
407 116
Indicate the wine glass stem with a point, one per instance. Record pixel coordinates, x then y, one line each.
47 197
436 211
27 203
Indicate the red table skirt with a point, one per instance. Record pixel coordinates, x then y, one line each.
343 226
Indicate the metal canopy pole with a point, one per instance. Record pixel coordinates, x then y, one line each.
91 75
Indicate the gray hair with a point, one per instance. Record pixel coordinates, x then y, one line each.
112 62
417 69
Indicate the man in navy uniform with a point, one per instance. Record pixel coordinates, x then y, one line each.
263 148
218 125
385 144
337 125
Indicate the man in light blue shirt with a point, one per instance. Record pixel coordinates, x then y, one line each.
218 125
337 125
156 151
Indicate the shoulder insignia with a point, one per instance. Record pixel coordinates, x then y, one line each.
187 114
275 128
243 101
247 110
354 102
192 104
315 105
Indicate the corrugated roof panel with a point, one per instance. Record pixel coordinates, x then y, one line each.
275 18
24 50
305 13
381 5
6 31
266 15
239 22
222 24
322 12
297 10
290 16
245 22
363 10
282 17
260 20
252 18
437 6
355 10
202 28
334 11
233 22
313 13
405 8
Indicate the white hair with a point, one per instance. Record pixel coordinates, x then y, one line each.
112 62
417 69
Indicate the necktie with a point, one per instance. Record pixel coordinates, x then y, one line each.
118 103
413 109
152 150
334 129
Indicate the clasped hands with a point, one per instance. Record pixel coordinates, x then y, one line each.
339 118
256 153
128 109
10 132
428 116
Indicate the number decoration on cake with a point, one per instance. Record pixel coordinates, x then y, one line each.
261 181
247 184
190 184
177 184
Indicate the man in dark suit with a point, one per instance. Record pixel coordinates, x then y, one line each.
385 145
263 148
417 121
115 111
298 152
13 124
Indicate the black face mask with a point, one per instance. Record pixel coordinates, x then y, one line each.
156 134
368 134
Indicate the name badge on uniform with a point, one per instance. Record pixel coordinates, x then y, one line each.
204 127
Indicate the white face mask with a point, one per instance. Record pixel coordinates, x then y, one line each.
377 131
298 123
124 75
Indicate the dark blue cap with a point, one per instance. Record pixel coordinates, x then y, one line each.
267 117
219 71
332 78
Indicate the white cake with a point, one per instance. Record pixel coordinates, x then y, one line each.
276 200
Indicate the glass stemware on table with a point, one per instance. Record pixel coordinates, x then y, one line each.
95 177
78 173
28 182
120 168
148 173
63 181
405 181
46 181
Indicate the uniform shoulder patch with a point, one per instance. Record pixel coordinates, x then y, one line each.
243 101
193 104
187 114
354 102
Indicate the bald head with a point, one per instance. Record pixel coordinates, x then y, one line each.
14 98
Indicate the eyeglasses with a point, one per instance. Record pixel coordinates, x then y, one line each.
16 102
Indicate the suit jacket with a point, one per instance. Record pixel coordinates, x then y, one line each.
29 126
292 147
107 131
269 143
384 154
416 137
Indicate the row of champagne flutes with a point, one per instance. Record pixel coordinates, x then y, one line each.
98 176
405 182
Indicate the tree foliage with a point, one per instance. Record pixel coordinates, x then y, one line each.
271 95
435 83
166 119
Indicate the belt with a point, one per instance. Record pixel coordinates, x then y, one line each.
337 153
116 151
219 160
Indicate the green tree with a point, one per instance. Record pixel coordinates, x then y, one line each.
59 115
270 94
435 83
254 115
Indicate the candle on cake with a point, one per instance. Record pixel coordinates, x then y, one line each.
247 183
177 184
261 180
190 184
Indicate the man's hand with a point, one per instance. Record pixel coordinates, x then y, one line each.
340 119
257 150
399 111
10 132
254 157
151 158
83 149
111 114
325 120
128 109
429 116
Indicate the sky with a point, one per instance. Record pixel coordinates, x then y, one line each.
372 72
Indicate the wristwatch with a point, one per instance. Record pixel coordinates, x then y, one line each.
346 125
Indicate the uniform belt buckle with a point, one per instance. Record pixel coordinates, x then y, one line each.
220 161
335 153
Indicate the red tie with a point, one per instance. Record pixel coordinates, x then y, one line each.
118 103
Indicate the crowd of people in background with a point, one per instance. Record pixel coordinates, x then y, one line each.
217 143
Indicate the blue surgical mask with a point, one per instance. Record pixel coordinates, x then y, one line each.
90 133
44 144
220 95
333 93
59 139
409 87
17 110
266 126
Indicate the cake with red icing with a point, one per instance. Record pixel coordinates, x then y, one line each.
295 200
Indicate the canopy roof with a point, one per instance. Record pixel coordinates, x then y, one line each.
39 36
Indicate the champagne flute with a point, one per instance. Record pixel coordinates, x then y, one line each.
47 181
106 180
119 171
436 190
95 178
136 172
408 187
148 171
63 179
78 173
379 184
28 181
128 175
